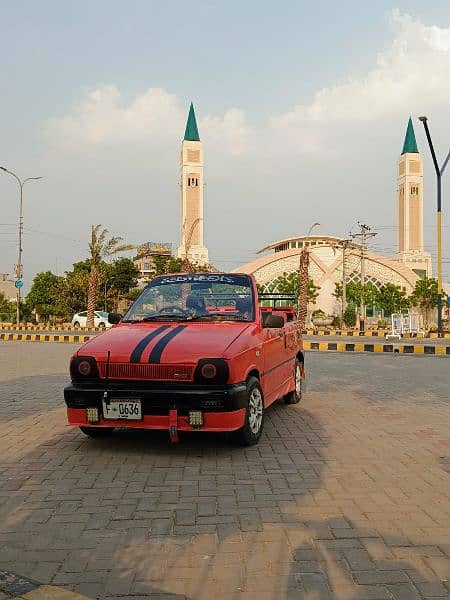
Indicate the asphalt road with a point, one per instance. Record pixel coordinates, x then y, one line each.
347 495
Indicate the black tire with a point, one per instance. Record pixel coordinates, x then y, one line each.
76 324
250 433
97 432
102 325
295 396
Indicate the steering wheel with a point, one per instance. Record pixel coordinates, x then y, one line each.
172 309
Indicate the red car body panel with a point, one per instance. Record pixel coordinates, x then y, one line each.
157 362
195 341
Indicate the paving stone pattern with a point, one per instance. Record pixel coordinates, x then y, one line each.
345 497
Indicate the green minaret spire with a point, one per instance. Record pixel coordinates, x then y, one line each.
191 132
410 144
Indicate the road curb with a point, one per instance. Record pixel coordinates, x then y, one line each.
374 333
11 326
45 337
377 348
16 586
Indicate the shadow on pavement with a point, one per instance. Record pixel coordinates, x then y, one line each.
135 516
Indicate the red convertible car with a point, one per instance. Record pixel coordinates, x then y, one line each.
195 351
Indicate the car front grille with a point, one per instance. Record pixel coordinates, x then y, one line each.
147 372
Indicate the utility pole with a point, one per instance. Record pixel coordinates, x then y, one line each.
19 266
364 233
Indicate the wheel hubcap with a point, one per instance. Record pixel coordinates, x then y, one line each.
298 380
255 411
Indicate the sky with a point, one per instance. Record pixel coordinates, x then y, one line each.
302 108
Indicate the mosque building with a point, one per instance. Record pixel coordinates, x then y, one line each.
331 258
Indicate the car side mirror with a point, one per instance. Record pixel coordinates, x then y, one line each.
114 318
273 321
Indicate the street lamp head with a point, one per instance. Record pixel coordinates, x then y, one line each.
311 228
423 119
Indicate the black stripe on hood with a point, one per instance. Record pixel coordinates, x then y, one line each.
137 352
159 347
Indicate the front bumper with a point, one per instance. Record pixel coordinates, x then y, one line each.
223 407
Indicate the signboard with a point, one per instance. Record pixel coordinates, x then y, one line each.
18 283
154 248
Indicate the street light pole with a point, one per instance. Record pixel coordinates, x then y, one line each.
364 233
439 173
19 266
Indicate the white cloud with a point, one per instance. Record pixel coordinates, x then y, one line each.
410 77
104 118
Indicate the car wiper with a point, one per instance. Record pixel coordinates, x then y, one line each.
220 316
165 318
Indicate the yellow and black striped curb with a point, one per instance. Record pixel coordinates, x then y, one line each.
47 327
374 333
16 586
383 348
44 337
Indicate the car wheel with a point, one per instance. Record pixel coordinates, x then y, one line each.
97 432
295 396
76 324
250 433
102 325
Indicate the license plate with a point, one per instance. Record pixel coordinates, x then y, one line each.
122 409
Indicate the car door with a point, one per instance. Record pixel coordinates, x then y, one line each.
82 318
274 356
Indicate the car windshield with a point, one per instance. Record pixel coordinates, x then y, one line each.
102 313
196 296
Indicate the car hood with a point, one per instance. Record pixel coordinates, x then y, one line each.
166 343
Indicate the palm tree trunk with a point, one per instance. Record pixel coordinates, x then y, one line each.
303 291
92 294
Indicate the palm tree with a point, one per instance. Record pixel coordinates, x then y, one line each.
425 296
100 247
187 265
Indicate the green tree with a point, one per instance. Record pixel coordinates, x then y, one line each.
170 264
43 297
289 283
337 290
72 291
350 316
167 264
7 308
100 247
391 298
119 277
425 296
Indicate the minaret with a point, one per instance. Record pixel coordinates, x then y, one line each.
410 207
191 183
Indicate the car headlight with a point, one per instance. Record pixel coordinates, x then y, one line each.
83 368
211 370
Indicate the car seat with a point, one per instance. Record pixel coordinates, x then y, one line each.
244 305
196 303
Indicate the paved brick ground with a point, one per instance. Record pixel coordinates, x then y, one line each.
346 496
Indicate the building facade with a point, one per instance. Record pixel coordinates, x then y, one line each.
330 261
7 287
145 257
191 187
